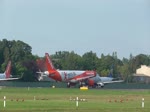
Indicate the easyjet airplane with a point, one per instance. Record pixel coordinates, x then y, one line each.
86 78
6 75
71 77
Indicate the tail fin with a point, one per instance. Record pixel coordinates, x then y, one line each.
49 63
110 75
8 70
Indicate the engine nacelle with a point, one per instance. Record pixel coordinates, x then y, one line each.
100 84
46 73
91 82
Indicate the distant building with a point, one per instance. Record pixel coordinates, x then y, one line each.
145 70
142 74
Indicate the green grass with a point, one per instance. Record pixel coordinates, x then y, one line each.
57 100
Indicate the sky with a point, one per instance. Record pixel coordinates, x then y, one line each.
101 26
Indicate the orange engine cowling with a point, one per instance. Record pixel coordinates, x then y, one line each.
91 82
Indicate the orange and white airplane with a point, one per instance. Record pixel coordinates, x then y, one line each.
86 78
7 74
71 77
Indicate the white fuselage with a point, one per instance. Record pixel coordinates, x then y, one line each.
101 79
69 74
2 76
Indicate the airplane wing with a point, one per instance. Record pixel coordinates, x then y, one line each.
9 79
108 82
80 78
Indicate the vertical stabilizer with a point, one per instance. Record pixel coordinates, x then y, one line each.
8 70
110 75
49 63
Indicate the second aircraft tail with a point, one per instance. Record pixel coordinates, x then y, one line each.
8 70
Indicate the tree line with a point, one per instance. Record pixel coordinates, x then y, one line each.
26 64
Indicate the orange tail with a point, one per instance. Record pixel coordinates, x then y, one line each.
8 70
49 63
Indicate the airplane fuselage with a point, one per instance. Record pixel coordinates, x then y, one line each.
72 76
2 76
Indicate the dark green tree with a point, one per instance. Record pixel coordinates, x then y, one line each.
89 61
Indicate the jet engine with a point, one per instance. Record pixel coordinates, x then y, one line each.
90 82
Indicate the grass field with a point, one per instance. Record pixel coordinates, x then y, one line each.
58 100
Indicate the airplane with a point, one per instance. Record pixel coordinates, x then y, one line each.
7 75
71 77
99 82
